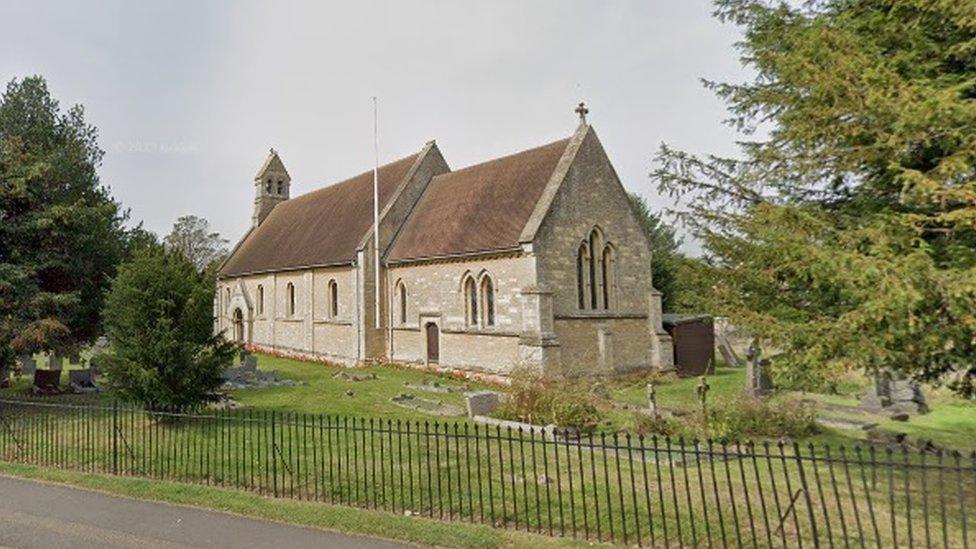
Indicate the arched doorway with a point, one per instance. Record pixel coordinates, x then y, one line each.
238 326
433 343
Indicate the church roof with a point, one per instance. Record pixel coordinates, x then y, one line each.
319 228
480 208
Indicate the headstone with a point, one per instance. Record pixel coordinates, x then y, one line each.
55 362
82 381
879 395
702 391
250 362
758 381
27 365
895 396
481 403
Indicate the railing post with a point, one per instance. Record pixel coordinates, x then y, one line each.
274 457
806 494
115 437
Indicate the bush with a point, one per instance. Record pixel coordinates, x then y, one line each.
159 317
543 400
748 418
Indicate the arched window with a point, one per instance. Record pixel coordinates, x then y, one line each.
290 296
582 271
333 299
281 187
471 302
401 294
487 301
226 300
609 280
267 186
595 269
260 304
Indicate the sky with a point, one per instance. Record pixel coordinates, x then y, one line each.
189 96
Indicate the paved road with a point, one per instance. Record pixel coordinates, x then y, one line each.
35 514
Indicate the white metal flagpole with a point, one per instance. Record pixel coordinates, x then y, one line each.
376 213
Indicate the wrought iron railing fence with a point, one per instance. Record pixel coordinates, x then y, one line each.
606 487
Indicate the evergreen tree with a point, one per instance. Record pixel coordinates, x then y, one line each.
665 257
159 316
846 234
61 233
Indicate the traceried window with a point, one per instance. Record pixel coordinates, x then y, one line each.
595 272
260 304
609 284
487 301
290 296
582 275
333 299
471 302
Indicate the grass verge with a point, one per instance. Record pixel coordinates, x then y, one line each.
315 515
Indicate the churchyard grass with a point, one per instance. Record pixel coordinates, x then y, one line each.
607 487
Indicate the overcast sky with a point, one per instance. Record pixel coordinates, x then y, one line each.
189 96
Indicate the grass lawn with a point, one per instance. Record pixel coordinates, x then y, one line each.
323 393
315 515
951 422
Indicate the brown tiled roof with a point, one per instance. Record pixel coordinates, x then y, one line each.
318 228
479 208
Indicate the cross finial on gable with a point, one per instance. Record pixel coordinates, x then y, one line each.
272 151
582 111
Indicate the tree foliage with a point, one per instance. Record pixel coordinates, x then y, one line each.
192 237
666 259
61 233
845 233
159 317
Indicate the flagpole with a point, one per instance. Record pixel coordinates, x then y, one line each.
376 214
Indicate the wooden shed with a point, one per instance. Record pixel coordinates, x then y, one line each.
694 343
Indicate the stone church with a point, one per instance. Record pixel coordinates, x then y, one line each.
533 259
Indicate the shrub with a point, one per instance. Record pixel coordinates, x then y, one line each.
749 418
159 316
543 400
651 424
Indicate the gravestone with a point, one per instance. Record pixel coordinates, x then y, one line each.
55 362
758 381
82 381
482 403
896 396
879 396
652 398
27 365
250 362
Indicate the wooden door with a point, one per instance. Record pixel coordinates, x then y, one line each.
433 343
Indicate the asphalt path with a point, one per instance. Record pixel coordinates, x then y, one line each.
37 514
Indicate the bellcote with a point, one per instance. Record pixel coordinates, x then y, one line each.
272 185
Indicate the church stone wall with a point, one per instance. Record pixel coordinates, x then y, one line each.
310 330
590 196
435 294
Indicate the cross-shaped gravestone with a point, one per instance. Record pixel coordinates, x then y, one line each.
702 389
652 398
